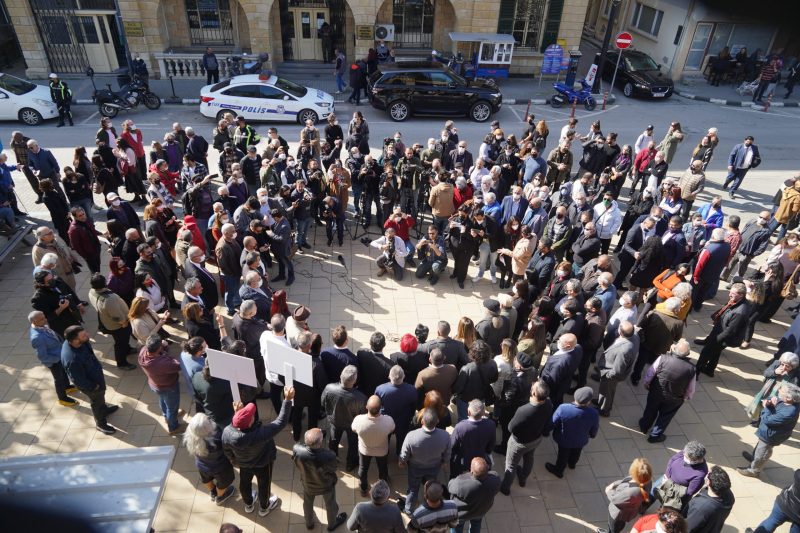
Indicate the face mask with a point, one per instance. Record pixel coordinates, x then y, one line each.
158 246
607 202
444 138
761 222
397 139
498 137
133 126
622 302
234 235
292 164
201 258
461 150
431 146
51 283
116 203
515 227
579 203
561 273
516 196
281 157
260 283
508 152
335 122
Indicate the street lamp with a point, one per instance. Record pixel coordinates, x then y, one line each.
612 16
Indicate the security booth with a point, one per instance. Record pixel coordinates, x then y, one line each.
489 54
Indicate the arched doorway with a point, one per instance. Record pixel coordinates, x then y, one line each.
300 22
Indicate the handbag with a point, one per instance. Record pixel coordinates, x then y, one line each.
754 408
789 291
670 493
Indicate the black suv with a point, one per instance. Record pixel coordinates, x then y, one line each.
430 88
638 75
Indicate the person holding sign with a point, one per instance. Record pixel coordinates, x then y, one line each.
250 446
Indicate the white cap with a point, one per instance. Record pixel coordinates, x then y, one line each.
434 53
112 196
53 75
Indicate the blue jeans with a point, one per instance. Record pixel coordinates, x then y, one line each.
232 300
486 255
774 520
474 526
169 400
7 214
302 231
736 176
340 85
417 476
358 190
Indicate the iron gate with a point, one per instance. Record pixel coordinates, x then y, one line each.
337 22
54 18
209 22
413 23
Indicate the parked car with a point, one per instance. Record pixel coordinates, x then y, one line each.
430 88
638 75
25 101
265 97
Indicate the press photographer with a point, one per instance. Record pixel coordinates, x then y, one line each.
463 243
393 254
402 223
408 169
354 163
370 175
432 256
332 213
301 199
387 193
441 202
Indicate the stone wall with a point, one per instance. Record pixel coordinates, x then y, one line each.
29 40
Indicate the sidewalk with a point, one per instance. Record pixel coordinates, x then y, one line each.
699 89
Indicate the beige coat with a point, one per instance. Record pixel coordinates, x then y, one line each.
144 326
65 258
521 255
789 206
441 200
112 310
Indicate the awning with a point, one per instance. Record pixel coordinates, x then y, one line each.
462 37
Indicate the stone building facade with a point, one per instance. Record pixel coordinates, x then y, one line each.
153 28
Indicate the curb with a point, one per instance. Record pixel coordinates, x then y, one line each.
510 101
732 103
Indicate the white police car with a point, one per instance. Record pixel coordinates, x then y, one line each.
25 101
265 97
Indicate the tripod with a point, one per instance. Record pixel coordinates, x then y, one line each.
422 205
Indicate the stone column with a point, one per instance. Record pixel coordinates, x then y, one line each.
29 39
364 13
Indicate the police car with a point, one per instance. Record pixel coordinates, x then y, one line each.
265 97
25 101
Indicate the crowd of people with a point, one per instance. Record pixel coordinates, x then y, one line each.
569 313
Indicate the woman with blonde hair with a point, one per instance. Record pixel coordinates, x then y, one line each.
203 439
539 136
505 365
630 496
466 332
144 321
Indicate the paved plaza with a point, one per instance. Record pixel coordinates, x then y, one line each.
32 422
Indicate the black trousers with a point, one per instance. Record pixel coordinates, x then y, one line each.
122 337
461 264
97 401
212 75
363 469
567 457
329 223
297 419
645 357
352 444
263 478
372 197
60 379
397 270
709 355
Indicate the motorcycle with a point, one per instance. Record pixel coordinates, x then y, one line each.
237 68
129 96
568 95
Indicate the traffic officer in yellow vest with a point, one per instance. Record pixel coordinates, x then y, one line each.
62 97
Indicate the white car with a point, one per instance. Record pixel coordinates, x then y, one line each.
265 97
25 101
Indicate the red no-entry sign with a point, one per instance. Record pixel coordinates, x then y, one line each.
623 40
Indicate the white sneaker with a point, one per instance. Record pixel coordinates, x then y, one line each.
476 279
272 504
494 279
249 508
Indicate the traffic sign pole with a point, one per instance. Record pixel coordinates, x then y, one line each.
614 77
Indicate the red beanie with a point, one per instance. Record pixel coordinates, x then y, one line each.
408 343
244 417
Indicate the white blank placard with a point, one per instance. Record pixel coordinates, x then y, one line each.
235 368
278 357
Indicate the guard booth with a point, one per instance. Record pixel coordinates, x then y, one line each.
489 54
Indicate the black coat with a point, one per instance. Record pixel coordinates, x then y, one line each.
373 371
730 327
707 514
317 468
210 290
46 300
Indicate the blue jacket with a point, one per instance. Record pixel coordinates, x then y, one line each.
777 423
47 346
508 209
334 360
495 211
736 158
714 220
532 166
398 401
573 426
45 162
5 175
82 366
263 301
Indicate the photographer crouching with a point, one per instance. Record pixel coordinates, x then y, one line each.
432 256
402 223
393 254
332 213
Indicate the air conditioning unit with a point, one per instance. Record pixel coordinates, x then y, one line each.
384 32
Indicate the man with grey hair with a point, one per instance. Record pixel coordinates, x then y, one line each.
193 293
196 146
711 262
399 400
253 290
776 425
629 253
669 382
659 329
48 243
228 253
195 267
424 452
615 365
48 344
375 516
472 437
342 402
455 353
626 311
729 329
317 467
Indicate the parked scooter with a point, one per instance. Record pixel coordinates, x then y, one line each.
568 95
253 66
129 97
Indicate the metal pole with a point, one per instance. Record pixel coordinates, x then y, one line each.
612 16
173 87
614 77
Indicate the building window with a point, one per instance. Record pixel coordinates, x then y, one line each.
647 19
524 20
209 22
413 23
607 8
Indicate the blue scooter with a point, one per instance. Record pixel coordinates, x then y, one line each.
567 95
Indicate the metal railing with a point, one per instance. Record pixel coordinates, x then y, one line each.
189 66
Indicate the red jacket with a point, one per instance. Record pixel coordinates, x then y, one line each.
168 179
643 159
459 196
134 139
190 223
402 227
